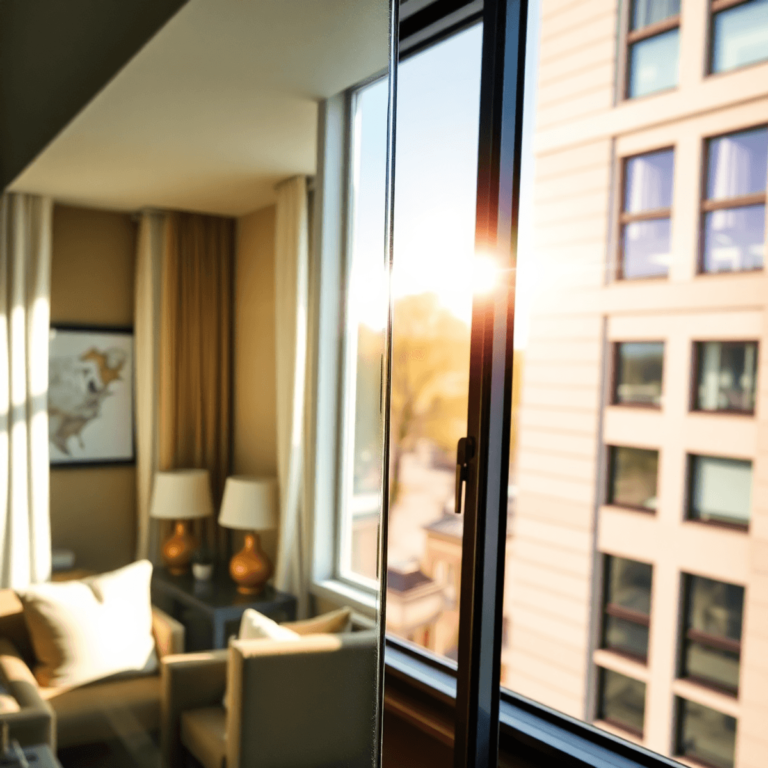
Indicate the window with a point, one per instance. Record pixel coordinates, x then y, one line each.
627 606
707 736
638 369
654 46
739 33
721 490
621 701
712 644
734 208
726 376
633 477
646 216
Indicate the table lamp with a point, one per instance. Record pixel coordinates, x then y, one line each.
181 495
250 504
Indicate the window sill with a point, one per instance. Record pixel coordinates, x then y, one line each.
708 697
619 662
343 593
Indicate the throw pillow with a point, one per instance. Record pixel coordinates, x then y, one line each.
332 622
93 628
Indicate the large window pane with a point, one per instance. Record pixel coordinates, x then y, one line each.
638 373
737 164
629 584
706 735
646 249
622 701
633 477
734 239
721 490
653 64
648 181
726 379
646 12
627 606
740 36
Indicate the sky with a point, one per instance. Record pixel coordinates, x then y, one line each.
435 182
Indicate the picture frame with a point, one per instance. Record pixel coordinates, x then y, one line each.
91 396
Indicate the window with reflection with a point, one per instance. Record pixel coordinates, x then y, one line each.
627 606
705 735
739 33
646 217
713 621
734 208
726 376
720 490
638 371
654 46
633 477
621 701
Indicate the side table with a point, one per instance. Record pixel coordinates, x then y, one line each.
216 603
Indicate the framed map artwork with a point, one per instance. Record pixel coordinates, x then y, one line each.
90 396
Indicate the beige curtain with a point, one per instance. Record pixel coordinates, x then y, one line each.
149 260
196 350
25 280
291 298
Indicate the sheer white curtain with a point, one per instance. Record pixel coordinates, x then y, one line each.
147 352
291 297
25 289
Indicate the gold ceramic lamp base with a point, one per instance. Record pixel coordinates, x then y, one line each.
178 549
250 567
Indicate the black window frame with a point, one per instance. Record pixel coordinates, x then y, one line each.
616 370
611 469
715 7
680 703
689 516
696 359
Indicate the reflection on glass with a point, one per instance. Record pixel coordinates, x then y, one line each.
740 36
646 249
646 12
633 477
721 490
622 701
706 735
627 606
734 239
726 379
653 64
638 373
648 181
737 164
626 636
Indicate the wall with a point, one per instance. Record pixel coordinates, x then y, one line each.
92 277
254 446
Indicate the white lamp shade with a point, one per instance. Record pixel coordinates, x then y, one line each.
250 503
181 494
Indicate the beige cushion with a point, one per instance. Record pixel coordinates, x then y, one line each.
203 733
332 622
257 626
8 701
91 629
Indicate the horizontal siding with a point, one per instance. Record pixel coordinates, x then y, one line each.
531 573
579 398
576 467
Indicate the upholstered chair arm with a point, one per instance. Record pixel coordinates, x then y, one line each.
305 703
168 633
34 723
189 681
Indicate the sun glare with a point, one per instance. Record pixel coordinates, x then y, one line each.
486 274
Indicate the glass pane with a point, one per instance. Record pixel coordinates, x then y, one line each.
646 249
645 12
721 489
436 178
648 181
633 477
626 636
715 607
727 376
734 239
740 36
622 701
737 164
629 584
653 64
638 375
706 735
715 666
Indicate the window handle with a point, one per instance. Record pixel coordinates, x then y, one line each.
465 452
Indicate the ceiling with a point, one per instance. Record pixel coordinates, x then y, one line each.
216 109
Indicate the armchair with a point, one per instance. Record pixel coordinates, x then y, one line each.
290 703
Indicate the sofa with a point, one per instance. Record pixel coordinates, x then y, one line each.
98 711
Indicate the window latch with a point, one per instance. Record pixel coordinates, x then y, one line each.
465 452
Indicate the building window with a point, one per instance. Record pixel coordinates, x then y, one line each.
739 33
627 606
638 369
720 490
621 701
734 208
654 46
633 477
712 644
646 215
704 735
726 376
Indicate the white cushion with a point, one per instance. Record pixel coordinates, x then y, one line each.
257 626
93 628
